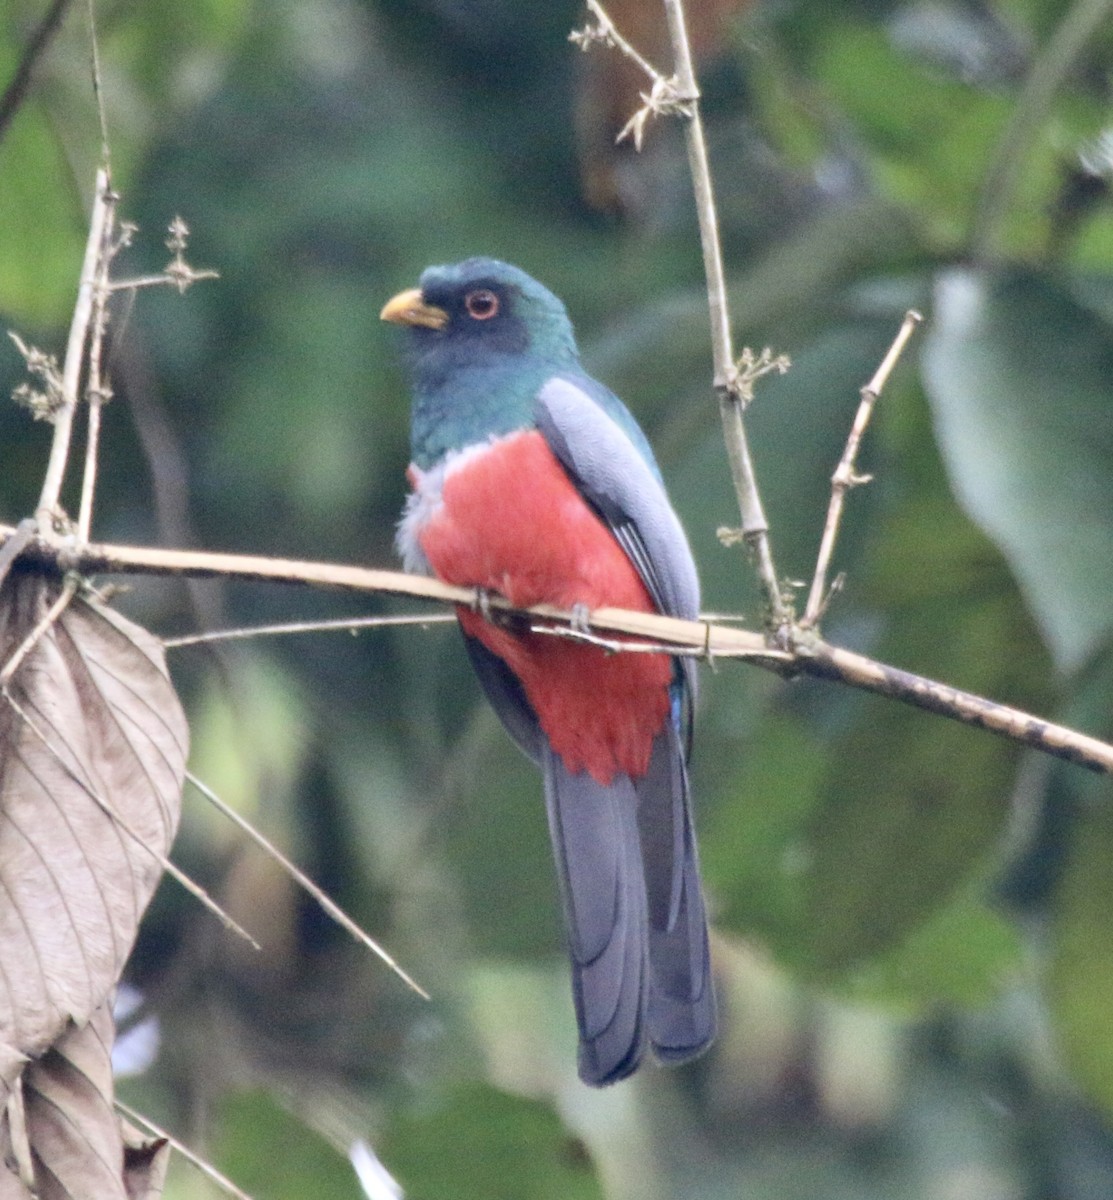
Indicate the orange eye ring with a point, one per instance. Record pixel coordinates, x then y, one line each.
482 304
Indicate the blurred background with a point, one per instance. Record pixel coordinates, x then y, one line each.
913 920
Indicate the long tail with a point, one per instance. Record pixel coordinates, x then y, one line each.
681 1014
598 853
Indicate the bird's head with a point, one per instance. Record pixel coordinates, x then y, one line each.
482 308
483 337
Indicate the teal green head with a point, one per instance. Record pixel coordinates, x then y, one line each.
483 336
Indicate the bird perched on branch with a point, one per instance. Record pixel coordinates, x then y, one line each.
532 480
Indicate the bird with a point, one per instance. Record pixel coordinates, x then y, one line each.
532 480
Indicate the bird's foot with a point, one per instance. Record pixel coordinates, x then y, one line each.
481 603
581 618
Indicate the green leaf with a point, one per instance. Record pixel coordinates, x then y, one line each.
269 1153
1080 981
1076 841
850 826
41 235
482 1144
962 954
1018 377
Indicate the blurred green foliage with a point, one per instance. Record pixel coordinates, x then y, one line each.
914 928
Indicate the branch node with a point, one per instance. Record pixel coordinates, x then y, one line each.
664 99
751 367
44 402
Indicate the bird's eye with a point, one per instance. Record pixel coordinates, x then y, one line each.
481 304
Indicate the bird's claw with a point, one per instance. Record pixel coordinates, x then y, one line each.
481 603
581 618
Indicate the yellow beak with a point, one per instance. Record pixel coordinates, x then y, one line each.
408 308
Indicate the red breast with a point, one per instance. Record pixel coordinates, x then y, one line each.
511 520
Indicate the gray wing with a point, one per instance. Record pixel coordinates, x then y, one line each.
626 491
623 487
615 477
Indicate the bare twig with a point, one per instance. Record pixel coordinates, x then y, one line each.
98 86
606 34
332 909
341 624
711 640
755 527
845 476
679 94
103 202
97 392
42 627
832 662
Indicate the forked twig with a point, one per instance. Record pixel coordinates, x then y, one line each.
845 476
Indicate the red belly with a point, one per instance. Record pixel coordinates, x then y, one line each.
512 522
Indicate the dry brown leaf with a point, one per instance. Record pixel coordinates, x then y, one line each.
80 1149
92 757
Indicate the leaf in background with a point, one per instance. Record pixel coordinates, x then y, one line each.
270 1153
962 954
1018 377
914 805
91 769
483 1144
1080 981
1073 849
40 239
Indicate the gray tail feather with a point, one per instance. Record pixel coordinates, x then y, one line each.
599 864
681 1014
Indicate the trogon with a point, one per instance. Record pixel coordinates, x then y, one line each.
531 480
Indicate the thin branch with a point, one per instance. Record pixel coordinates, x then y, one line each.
97 392
607 34
103 202
673 635
755 527
832 662
678 94
98 85
330 907
845 476
341 624
41 629
16 91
